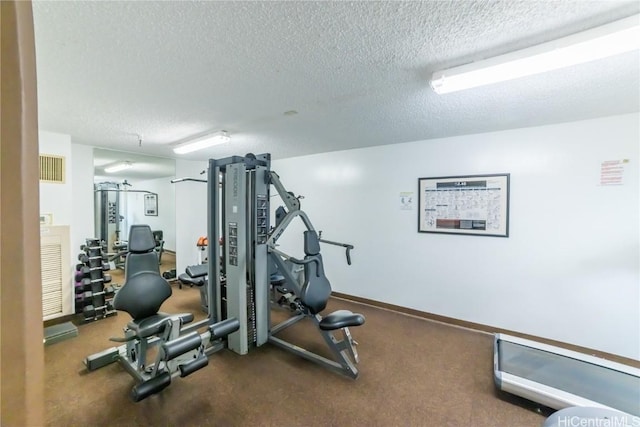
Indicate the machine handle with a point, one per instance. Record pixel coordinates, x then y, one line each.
174 181
344 245
296 260
300 261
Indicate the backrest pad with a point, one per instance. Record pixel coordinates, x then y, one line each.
141 239
144 289
311 243
316 289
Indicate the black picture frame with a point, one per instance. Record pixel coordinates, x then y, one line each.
151 204
476 205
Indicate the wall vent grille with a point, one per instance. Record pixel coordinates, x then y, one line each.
51 168
51 264
55 260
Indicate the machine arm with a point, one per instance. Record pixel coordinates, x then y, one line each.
117 190
344 245
289 199
174 181
296 260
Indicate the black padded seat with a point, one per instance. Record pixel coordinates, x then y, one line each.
155 324
277 280
145 286
144 289
341 319
186 280
198 270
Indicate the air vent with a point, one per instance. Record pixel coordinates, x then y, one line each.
51 168
51 259
57 288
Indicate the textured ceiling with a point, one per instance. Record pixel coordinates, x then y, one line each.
145 167
356 73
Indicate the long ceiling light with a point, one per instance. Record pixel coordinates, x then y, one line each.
118 167
202 143
597 43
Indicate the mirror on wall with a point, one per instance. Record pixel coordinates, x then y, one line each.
131 189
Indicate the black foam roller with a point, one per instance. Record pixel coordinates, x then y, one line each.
194 365
181 345
149 387
224 328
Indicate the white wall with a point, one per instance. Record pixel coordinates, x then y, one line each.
82 202
166 219
70 203
55 199
191 212
569 270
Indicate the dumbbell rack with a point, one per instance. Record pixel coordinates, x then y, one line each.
93 298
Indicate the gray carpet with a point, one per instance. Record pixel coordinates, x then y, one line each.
413 372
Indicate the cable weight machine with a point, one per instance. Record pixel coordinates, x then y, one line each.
238 197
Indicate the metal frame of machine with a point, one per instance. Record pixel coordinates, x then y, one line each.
238 197
108 219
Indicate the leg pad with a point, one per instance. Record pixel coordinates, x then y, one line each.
149 387
194 365
224 328
181 345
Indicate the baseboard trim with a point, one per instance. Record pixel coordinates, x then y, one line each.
485 328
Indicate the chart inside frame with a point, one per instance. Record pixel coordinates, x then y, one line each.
471 205
151 204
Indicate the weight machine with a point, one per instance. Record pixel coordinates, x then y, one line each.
251 265
238 196
107 212
238 286
108 205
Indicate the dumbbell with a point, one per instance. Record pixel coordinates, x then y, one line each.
87 295
85 271
84 258
80 275
82 301
90 311
87 281
91 246
81 285
83 267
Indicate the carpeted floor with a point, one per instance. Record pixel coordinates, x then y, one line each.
413 372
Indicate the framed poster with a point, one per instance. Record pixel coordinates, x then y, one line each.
475 205
151 204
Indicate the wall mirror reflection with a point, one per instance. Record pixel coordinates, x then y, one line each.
132 189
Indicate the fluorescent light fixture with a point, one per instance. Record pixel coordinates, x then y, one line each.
118 167
597 43
202 142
